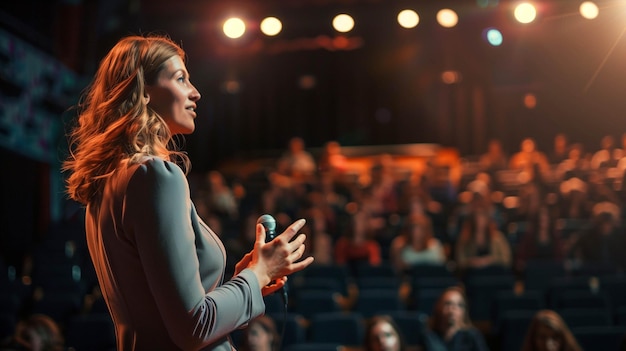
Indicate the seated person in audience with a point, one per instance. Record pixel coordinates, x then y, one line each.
261 335
300 163
319 243
357 245
495 159
541 241
450 328
36 333
548 332
481 244
416 245
607 156
333 160
382 334
559 149
573 200
575 165
532 162
603 243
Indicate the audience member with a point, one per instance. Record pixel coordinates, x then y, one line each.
494 159
299 163
221 198
575 165
607 156
38 332
450 328
416 245
559 150
357 246
382 334
481 244
333 160
319 243
542 240
573 202
261 335
531 162
603 243
548 332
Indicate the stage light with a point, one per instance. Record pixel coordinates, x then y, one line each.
271 26
408 18
589 10
234 28
493 36
343 23
525 13
447 18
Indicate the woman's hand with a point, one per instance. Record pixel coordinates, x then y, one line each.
275 260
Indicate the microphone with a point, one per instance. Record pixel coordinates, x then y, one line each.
269 223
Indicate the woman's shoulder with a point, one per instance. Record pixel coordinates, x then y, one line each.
155 166
153 173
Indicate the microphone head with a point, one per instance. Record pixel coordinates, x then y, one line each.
268 222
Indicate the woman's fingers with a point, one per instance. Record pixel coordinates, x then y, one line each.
292 230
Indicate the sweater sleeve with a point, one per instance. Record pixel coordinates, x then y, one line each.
157 213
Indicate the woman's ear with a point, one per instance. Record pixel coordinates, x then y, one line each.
146 95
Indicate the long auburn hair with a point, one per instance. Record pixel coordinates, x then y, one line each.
553 321
115 122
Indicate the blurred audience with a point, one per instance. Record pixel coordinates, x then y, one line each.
261 335
357 245
494 159
37 332
382 334
531 206
559 150
481 244
607 156
603 243
548 332
450 328
416 245
541 241
332 160
298 162
532 162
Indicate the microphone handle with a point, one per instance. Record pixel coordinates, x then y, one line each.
270 234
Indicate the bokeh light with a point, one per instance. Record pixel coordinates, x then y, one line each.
271 26
408 18
447 18
493 36
525 13
450 77
343 23
530 101
234 27
589 10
